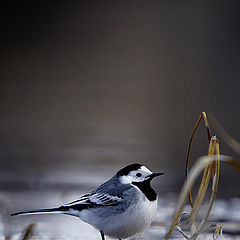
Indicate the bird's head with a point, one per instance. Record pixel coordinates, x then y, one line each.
135 173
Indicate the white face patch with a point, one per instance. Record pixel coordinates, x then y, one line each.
146 170
126 179
139 175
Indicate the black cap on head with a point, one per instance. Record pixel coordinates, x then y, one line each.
126 170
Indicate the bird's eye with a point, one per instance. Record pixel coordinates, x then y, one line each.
138 174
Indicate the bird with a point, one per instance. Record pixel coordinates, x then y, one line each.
121 207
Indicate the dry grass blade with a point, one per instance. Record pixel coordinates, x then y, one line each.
218 232
205 180
196 170
235 164
213 149
202 116
215 182
28 231
227 138
210 165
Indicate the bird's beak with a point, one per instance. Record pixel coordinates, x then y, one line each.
153 175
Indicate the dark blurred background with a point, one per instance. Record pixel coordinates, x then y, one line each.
89 85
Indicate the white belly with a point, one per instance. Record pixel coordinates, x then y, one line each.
134 220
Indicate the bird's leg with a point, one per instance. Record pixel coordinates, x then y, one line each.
102 235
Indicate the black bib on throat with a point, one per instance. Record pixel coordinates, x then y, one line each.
146 188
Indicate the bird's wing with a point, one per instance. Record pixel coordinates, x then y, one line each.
105 199
94 199
83 200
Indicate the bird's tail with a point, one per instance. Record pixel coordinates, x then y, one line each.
40 211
